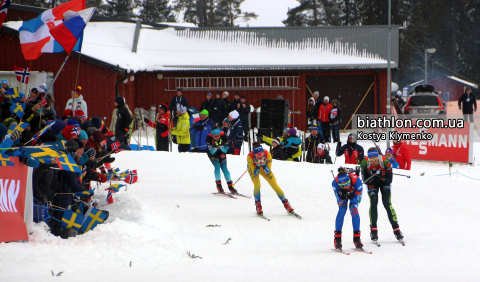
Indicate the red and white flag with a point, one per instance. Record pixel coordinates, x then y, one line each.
22 74
132 177
4 4
110 197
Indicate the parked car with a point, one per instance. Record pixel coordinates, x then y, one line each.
424 102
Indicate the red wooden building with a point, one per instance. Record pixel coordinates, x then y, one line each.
146 63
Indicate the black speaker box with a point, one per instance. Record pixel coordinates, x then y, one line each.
274 113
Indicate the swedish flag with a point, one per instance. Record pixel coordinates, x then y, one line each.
123 174
79 208
18 109
43 153
115 187
5 160
93 218
72 219
67 163
84 193
20 127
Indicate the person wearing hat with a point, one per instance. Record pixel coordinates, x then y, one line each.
77 102
311 144
124 119
278 153
324 117
33 95
217 109
391 158
202 129
216 150
234 104
336 115
317 104
10 94
177 100
226 126
467 104
293 145
206 104
347 188
380 168
260 163
243 108
353 152
310 112
402 154
161 127
225 95
322 155
182 129
235 134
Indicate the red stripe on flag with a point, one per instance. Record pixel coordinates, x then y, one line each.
66 37
74 5
31 51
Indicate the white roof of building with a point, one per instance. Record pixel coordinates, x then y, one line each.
463 81
190 49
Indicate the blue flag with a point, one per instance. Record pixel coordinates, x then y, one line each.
72 219
93 218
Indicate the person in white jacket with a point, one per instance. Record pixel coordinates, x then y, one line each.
78 102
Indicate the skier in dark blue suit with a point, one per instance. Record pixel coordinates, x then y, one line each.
347 187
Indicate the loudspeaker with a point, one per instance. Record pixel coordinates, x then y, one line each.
274 113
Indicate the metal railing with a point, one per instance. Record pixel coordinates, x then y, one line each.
233 83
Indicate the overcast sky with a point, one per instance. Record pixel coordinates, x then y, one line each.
270 12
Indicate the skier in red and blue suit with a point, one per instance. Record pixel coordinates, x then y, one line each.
347 187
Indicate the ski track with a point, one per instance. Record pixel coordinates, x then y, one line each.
157 220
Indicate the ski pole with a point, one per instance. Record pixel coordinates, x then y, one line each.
368 179
332 174
240 177
407 176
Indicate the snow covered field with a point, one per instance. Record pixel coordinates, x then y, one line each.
158 220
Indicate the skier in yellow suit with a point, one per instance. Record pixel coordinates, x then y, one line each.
260 163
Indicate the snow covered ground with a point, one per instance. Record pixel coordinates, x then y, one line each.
158 220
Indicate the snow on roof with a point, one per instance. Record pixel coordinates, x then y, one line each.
463 81
190 49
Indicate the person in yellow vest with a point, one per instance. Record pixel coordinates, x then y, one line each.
182 130
268 140
260 163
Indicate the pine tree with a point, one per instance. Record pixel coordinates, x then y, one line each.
314 13
122 9
156 11
212 13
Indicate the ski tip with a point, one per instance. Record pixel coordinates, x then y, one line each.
340 251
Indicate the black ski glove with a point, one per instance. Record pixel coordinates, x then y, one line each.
342 194
146 120
350 195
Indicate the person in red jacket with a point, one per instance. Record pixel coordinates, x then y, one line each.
161 127
353 152
402 155
324 117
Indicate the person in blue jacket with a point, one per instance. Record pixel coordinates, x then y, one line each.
202 129
391 158
347 187
235 135
216 150
292 144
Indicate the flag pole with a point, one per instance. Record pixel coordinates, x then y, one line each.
76 80
59 71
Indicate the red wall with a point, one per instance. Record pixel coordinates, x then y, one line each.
98 83
446 85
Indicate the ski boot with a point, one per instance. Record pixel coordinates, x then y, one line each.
258 205
356 240
373 233
287 206
219 186
338 240
398 233
231 188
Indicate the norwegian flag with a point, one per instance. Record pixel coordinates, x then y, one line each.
22 74
75 131
4 4
116 147
132 177
44 101
110 197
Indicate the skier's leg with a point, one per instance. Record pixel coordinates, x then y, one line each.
355 216
342 210
216 165
225 171
373 195
273 182
387 203
256 185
